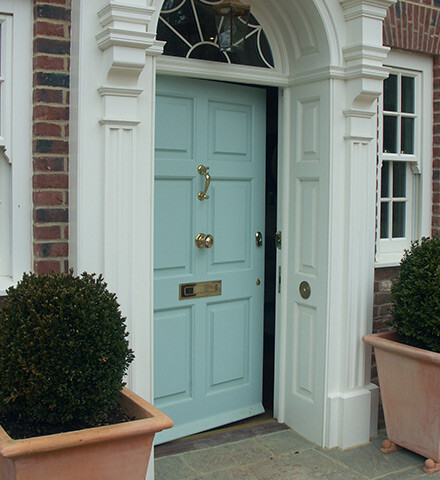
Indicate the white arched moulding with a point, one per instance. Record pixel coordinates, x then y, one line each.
328 57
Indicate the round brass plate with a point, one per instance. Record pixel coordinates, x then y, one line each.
305 290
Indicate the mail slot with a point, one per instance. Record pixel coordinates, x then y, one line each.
200 289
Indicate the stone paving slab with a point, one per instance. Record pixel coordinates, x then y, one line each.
214 439
413 474
285 442
305 465
369 461
235 474
173 468
231 455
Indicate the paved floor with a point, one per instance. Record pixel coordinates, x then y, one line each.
285 455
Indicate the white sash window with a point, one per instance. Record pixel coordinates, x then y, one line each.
405 156
15 139
5 142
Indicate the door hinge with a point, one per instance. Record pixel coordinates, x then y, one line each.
279 279
278 240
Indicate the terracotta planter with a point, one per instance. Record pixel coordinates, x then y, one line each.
409 380
113 452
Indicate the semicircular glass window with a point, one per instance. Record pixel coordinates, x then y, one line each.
188 27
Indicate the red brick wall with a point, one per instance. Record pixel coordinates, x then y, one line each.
415 27
50 134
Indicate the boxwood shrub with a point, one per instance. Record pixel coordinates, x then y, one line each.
416 296
63 349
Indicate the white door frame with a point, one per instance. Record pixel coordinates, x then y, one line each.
333 45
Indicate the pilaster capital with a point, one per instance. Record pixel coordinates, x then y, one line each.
124 38
364 52
376 9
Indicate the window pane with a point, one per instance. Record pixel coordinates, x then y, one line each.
389 134
189 29
399 219
0 48
399 179
384 219
390 94
385 180
408 94
407 140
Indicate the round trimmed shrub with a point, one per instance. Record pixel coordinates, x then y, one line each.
63 349
416 296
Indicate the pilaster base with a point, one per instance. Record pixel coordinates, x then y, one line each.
352 418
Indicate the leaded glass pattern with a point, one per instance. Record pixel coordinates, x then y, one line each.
188 27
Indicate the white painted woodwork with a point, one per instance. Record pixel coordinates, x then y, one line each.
16 141
328 62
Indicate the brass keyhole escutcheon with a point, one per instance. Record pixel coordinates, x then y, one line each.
203 240
305 290
259 239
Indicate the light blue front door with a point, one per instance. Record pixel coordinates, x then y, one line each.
208 349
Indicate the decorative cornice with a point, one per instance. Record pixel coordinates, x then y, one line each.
125 37
112 122
220 71
119 92
115 37
357 113
366 52
121 13
363 139
316 75
156 48
375 9
366 71
366 61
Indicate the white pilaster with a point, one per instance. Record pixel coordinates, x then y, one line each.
352 400
112 161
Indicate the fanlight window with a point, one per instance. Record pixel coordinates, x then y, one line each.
189 28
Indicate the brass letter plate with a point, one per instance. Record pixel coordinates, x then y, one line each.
200 289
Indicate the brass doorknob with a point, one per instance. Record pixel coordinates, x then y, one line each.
204 241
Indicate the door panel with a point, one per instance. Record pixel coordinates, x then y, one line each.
175 127
230 132
175 382
230 224
171 261
208 350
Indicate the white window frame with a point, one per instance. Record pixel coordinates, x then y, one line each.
16 140
389 252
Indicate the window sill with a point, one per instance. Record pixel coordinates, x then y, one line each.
386 264
388 259
5 283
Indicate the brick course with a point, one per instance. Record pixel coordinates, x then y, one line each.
51 81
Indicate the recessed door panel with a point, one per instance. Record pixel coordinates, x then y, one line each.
230 131
209 203
174 330
174 127
173 249
228 344
303 338
308 233
230 220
